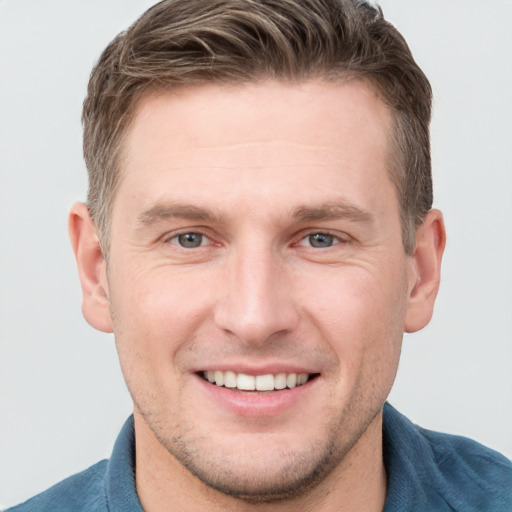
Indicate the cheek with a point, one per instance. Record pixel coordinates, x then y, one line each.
360 314
157 299
355 293
155 315
149 330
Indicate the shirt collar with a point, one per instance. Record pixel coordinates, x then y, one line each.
120 476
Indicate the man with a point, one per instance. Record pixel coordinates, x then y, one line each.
259 236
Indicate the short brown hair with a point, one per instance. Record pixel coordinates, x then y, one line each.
184 42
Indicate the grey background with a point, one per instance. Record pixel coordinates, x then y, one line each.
62 397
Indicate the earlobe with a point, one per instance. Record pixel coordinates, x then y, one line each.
91 268
425 271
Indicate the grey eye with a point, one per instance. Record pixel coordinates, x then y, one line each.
321 240
190 240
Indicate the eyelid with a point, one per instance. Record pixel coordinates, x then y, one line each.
169 237
339 237
301 237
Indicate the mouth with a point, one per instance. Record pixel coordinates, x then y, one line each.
267 382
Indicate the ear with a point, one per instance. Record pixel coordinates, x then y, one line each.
91 268
425 272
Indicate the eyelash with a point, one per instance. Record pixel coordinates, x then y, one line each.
184 233
335 239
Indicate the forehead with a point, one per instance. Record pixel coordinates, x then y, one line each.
251 139
216 115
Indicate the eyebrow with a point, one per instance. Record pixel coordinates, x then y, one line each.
332 211
179 211
322 212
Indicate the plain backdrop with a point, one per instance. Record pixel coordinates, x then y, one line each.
63 399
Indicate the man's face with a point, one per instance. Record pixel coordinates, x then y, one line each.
256 239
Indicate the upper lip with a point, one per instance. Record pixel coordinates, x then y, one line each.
257 369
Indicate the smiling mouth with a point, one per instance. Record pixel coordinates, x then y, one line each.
268 382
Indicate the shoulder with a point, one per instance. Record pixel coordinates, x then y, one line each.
468 468
108 485
84 491
448 471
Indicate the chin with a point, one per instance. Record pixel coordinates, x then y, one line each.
264 478
269 468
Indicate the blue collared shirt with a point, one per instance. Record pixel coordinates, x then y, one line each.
427 471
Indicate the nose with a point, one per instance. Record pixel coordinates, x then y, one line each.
257 301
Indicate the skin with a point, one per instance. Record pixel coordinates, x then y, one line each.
255 171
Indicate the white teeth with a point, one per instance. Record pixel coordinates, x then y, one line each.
291 380
267 382
230 379
280 381
245 382
219 378
302 378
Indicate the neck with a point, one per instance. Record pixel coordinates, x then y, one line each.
357 483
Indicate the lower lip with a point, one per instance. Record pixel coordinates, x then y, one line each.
257 404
